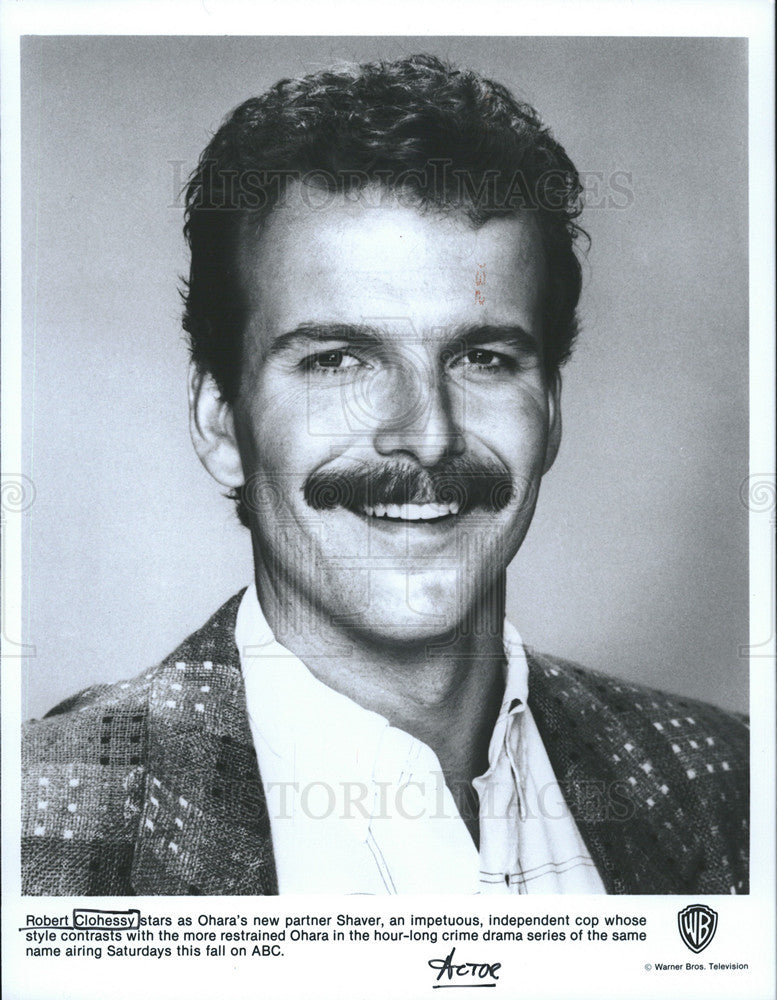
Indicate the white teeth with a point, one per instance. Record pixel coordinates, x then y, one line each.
430 510
412 511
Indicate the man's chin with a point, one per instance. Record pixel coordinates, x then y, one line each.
415 609
406 636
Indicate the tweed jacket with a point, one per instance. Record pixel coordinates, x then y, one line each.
151 786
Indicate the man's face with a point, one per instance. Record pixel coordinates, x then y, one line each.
394 420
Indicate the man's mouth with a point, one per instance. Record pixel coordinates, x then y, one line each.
411 511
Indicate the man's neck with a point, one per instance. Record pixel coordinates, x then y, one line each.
445 690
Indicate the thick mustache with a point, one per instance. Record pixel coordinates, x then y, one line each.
483 485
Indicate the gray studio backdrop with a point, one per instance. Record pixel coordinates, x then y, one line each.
637 560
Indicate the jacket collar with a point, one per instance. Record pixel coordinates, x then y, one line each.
205 829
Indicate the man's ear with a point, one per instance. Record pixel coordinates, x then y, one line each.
554 420
212 427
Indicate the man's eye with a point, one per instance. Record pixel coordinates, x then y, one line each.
481 358
328 361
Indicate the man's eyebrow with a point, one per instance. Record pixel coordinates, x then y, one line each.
359 333
350 333
507 333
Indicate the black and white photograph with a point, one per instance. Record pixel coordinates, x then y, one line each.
386 493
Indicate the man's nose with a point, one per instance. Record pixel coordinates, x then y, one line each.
417 417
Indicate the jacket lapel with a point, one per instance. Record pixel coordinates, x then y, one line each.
616 779
204 827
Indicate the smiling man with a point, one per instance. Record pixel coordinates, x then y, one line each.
383 287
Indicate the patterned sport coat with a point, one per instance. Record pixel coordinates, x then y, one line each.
151 786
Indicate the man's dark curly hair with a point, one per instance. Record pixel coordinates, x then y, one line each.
436 135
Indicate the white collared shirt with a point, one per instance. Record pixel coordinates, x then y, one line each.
358 806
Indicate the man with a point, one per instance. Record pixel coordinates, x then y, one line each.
383 288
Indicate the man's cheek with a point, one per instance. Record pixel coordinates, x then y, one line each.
338 411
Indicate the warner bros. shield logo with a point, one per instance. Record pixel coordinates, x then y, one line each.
697 924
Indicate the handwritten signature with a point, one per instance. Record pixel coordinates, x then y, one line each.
472 970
